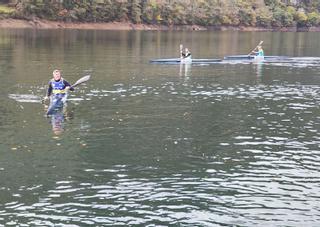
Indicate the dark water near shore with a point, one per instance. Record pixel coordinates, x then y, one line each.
143 144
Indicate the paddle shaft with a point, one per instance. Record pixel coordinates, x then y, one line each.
80 81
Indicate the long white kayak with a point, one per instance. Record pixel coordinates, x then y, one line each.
252 57
179 60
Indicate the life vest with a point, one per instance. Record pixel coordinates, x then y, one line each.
260 53
58 87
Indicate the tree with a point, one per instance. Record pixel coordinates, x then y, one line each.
313 19
135 11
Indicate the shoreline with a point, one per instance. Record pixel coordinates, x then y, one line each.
46 24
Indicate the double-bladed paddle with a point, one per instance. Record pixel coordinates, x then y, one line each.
81 80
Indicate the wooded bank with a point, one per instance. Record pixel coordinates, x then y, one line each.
251 13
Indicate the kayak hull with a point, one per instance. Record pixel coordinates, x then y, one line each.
179 60
253 57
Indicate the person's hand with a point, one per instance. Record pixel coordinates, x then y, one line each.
67 88
46 98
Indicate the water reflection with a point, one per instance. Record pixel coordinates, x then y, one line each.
218 149
57 117
259 70
185 70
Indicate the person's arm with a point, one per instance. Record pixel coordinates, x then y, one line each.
254 53
49 91
67 84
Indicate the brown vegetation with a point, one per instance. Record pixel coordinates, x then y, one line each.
194 14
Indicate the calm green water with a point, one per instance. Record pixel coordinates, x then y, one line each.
228 144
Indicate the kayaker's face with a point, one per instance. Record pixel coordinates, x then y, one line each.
56 75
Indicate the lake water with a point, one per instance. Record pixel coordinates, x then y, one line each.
140 144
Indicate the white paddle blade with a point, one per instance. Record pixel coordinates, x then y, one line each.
81 80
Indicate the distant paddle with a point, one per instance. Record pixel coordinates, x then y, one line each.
81 80
181 50
256 47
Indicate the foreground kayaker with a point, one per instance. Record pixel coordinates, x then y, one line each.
57 91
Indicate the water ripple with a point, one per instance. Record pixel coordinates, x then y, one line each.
260 168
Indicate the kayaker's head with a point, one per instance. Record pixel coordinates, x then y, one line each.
56 75
259 47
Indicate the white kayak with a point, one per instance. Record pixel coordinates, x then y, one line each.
258 58
187 59
184 60
253 57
